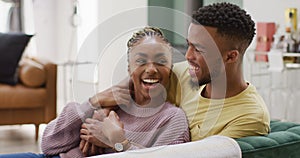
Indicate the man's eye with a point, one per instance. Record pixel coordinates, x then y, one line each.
141 61
199 51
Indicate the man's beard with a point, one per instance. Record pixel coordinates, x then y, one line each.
199 83
215 72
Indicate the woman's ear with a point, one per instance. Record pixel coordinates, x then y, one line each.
232 56
131 89
128 70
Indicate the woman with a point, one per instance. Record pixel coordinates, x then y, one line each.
148 122
150 60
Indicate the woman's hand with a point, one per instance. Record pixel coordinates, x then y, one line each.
109 131
88 138
90 145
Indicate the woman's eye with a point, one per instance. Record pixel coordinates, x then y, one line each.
162 61
141 61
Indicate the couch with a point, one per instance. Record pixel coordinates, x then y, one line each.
33 99
282 141
210 147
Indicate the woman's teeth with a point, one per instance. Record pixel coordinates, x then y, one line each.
150 81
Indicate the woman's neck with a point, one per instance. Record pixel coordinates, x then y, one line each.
149 102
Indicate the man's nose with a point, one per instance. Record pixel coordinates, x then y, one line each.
151 68
189 55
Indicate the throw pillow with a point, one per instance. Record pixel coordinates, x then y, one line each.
32 74
12 46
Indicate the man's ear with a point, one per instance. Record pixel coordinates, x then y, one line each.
232 56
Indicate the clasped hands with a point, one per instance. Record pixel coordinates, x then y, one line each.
104 129
100 132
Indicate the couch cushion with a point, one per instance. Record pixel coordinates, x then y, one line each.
32 74
282 141
12 46
20 96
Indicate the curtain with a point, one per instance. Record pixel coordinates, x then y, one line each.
20 18
15 16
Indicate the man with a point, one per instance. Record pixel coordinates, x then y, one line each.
211 88
222 103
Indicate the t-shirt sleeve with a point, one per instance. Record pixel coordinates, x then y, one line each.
172 90
175 85
247 126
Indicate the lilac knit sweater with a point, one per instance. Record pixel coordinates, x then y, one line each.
147 127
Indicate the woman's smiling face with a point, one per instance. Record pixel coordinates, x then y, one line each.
150 63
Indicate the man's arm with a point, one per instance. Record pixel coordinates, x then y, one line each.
115 95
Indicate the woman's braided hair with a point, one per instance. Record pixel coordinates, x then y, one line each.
148 31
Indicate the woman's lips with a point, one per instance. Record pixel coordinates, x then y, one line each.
150 83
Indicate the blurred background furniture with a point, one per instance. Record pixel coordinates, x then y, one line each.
282 141
33 99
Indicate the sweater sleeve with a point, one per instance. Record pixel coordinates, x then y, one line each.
63 133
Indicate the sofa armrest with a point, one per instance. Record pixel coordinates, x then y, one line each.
210 147
50 85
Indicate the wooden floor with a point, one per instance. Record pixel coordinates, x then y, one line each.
19 138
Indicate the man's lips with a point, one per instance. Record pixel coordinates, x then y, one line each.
193 69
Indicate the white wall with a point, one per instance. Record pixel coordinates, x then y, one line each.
54 32
45 13
58 41
102 40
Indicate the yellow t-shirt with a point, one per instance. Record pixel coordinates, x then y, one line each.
242 115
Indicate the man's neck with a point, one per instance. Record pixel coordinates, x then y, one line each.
224 89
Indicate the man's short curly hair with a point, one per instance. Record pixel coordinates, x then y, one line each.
230 20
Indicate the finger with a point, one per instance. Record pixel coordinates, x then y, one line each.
121 93
86 149
95 129
107 110
81 145
89 138
122 101
83 126
84 137
84 131
90 121
99 115
113 116
93 150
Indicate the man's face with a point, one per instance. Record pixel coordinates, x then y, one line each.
149 66
203 55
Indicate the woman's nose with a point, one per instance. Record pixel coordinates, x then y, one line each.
151 69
